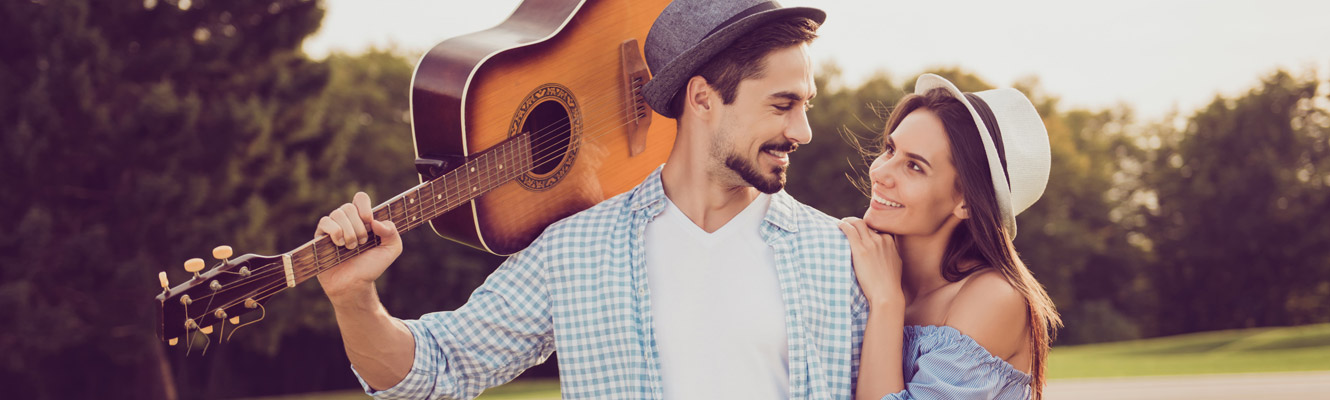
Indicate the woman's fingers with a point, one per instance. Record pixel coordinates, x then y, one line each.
869 235
849 229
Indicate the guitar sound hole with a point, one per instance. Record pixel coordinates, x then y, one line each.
550 132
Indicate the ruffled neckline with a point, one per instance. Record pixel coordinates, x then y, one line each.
937 333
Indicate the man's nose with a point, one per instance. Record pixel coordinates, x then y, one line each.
798 130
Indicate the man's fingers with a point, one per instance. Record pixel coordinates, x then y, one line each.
363 207
357 224
387 232
348 235
328 227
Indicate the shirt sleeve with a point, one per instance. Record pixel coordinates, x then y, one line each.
859 316
951 365
503 329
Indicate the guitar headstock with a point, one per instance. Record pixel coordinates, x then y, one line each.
219 296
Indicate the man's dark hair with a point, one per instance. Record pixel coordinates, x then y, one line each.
743 58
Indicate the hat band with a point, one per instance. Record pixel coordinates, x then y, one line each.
994 132
761 7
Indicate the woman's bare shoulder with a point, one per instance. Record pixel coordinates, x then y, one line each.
990 310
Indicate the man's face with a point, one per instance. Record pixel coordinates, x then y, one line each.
767 120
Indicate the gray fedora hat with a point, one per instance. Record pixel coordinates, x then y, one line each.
689 32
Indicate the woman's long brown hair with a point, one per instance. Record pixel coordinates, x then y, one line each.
982 237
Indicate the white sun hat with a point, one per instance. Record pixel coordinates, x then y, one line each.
1020 163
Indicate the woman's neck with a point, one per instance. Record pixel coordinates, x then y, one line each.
921 262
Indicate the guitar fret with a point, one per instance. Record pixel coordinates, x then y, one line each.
485 174
407 202
434 206
318 266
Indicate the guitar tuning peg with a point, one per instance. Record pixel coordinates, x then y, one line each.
221 253
161 277
173 341
194 265
235 320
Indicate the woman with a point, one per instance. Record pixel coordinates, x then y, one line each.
933 253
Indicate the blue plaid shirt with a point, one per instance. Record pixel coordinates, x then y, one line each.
581 288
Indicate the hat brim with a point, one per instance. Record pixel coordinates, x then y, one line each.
1001 188
664 84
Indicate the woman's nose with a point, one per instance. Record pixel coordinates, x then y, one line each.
882 175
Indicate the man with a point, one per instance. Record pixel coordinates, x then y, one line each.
705 281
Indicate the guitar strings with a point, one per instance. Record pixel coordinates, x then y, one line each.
538 158
268 291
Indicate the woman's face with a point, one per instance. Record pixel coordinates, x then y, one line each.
914 179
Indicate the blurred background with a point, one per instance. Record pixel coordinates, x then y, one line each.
1185 228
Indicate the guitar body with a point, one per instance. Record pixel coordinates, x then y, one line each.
556 69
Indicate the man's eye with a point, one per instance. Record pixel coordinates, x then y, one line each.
784 107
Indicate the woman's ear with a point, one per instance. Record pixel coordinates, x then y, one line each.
962 211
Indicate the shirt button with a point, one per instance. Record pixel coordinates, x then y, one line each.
641 292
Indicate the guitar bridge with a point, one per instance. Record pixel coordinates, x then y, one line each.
638 113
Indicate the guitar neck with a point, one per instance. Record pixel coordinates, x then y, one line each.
416 206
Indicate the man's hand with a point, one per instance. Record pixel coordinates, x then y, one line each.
346 226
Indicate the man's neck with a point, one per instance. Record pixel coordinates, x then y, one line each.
710 204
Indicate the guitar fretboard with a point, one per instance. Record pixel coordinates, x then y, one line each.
411 209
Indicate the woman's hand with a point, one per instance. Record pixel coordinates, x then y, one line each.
877 263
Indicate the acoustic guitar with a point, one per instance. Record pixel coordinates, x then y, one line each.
515 127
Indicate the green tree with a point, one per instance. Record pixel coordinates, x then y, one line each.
139 134
1240 225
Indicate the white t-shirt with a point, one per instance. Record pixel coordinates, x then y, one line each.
719 318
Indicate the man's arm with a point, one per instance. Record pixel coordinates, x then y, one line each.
379 346
503 329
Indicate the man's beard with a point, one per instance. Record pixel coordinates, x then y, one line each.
747 170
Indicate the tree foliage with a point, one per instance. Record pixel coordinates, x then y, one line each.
1241 225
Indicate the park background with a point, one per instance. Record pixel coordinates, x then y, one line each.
138 134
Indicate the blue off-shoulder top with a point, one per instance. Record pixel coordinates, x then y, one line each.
940 362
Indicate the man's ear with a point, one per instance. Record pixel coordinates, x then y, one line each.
699 97
962 210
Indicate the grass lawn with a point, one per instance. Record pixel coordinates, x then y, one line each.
1298 348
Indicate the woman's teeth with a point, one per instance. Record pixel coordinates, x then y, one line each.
886 202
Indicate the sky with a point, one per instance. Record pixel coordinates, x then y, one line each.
1153 55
